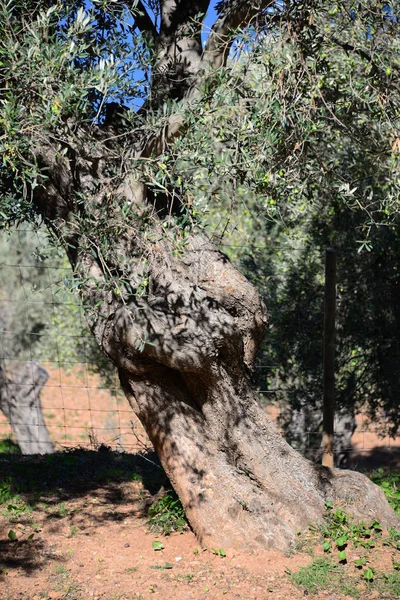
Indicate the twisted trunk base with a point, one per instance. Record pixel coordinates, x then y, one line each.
241 484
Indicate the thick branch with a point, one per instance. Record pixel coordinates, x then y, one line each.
176 15
232 15
142 18
178 50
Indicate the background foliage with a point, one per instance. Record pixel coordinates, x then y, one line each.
41 318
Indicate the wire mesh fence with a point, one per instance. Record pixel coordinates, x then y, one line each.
83 405
79 410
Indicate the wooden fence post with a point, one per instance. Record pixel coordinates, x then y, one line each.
329 359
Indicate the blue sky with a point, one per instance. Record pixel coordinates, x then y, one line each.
207 24
209 20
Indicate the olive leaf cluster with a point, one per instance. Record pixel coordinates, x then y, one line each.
61 64
296 149
307 107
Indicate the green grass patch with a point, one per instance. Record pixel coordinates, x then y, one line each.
8 446
336 572
389 481
167 515
324 574
13 507
387 584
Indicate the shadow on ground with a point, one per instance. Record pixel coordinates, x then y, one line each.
78 471
24 555
375 458
42 497
71 490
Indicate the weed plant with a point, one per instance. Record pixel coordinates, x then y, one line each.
336 572
8 446
389 481
13 507
167 514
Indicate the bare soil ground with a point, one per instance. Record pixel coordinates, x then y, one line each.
88 511
85 513
90 539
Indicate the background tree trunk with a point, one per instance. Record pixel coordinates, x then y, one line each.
20 402
303 429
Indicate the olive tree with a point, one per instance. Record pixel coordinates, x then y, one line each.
41 323
101 104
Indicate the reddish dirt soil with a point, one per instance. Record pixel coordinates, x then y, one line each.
99 548
96 545
115 559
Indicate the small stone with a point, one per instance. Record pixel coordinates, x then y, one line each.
178 558
55 595
127 545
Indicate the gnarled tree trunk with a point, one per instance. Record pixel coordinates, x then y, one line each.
181 324
20 403
241 484
185 345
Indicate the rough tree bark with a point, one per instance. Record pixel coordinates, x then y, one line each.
201 322
20 403
185 346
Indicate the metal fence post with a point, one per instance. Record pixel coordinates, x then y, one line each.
329 358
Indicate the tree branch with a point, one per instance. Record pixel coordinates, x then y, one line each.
178 14
142 18
178 50
232 15
350 48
